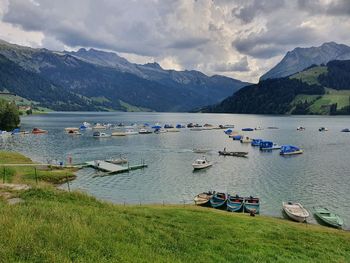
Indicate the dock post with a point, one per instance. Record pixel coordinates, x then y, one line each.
36 176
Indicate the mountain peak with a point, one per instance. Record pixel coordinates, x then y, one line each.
300 58
154 65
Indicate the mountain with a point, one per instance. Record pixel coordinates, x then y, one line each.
300 58
316 90
105 81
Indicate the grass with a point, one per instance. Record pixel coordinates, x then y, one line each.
310 76
57 226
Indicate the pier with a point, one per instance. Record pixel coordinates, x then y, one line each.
111 168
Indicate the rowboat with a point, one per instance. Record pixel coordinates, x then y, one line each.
290 150
236 154
39 131
218 200
252 205
235 203
201 164
203 199
295 211
328 217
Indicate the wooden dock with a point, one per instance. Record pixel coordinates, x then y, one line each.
111 168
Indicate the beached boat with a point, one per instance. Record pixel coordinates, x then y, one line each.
246 140
39 131
201 164
290 150
100 135
345 130
328 217
256 142
144 131
269 146
252 205
161 130
203 199
247 129
301 128
218 200
295 211
322 129
236 154
235 203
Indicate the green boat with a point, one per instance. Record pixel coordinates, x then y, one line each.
328 217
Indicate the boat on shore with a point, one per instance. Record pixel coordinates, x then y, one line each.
269 146
235 203
295 211
218 200
203 199
252 205
39 131
290 150
236 154
329 218
201 164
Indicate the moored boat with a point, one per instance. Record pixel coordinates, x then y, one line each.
290 150
201 164
100 135
269 146
218 200
203 199
144 131
295 211
74 132
301 128
235 203
247 129
99 126
252 205
246 139
39 131
329 218
131 131
237 137
256 142
236 154
160 130
322 129
345 130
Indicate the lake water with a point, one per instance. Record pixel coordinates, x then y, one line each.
320 176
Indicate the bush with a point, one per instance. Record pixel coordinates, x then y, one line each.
9 115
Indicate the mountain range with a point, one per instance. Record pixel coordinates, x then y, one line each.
98 80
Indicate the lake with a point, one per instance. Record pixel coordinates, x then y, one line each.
320 176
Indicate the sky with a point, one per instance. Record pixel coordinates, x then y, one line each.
237 38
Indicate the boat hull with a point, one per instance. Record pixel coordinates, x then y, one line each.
300 214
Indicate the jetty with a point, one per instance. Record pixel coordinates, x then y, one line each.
111 168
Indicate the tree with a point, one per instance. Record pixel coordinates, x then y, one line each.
9 115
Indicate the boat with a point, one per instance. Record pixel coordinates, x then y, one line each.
161 130
295 211
290 150
218 200
235 203
39 131
100 135
247 129
144 131
258 128
246 140
201 164
199 150
236 154
17 131
120 160
328 217
71 129
168 126
269 146
256 142
131 132
156 126
301 128
85 126
345 130
180 126
99 126
74 132
228 131
190 125
252 205
203 199
237 137
226 126
322 129
118 133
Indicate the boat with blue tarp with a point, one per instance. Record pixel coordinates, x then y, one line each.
218 200
269 146
290 150
235 203
247 129
228 131
256 142
237 137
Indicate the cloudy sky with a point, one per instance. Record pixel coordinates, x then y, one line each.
237 38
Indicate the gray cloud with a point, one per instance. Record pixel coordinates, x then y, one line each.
338 7
241 65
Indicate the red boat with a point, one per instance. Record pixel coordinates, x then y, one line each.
39 131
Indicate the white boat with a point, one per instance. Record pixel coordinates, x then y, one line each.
323 129
119 133
100 135
201 163
161 130
71 129
246 140
144 131
131 132
295 211
99 126
301 128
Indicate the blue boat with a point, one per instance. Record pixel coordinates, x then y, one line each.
218 200
252 205
269 146
235 203
247 129
256 142
237 137
228 131
179 126
290 150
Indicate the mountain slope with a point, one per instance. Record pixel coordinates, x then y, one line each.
301 58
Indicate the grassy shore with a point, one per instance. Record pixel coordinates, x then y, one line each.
52 225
